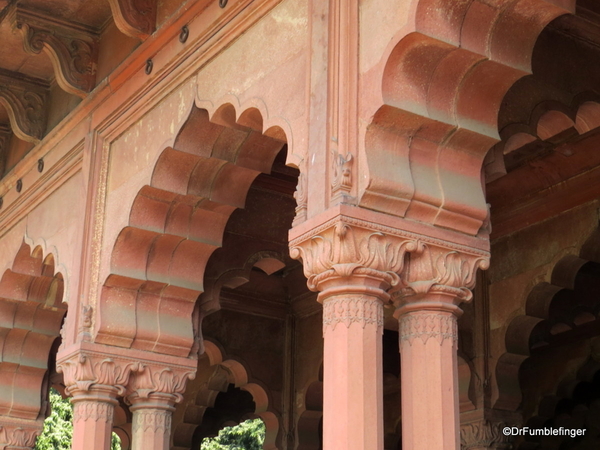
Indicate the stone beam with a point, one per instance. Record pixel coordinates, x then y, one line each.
72 49
135 18
25 101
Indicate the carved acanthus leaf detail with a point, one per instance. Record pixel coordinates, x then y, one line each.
93 410
149 380
439 269
155 420
343 250
83 371
25 104
135 18
73 52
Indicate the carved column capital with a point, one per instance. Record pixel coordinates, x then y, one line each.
438 274
151 380
85 370
72 50
345 248
19 434
24 100
482 435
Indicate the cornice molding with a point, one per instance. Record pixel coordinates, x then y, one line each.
25 102
135 18
72 50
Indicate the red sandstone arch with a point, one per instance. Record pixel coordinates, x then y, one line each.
550 310
444 89
224 371
175 224
310 423
31 316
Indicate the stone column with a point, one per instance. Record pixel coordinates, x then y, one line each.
353 266
153 392
19 434
94 381
436 279
93 411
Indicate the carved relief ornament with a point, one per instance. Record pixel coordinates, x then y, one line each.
25 103
344 249
84 370
409 263
150 380
436 268
72 50
19 434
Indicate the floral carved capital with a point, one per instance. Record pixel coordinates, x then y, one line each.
160 380
435 268
84 370
344 249
72 50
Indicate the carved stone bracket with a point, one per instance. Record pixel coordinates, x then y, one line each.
135 18
16 433
483 435
72 50
341 173
24 100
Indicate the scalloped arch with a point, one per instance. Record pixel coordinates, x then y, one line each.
175 224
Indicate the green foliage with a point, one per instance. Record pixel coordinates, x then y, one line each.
248 435
58 427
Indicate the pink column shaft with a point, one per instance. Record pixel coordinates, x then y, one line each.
429 374
152 421
93 413
353 392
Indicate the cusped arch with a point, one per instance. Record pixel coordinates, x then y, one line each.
219 371
444 89
31 317
560 306
175 224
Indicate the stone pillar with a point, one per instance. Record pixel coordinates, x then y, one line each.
93 411
94 381
353 266
152 421
152 394
19 434
435 280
